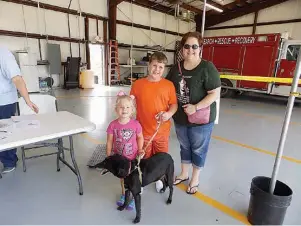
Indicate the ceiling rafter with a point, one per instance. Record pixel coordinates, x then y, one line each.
237 3
114 2
118 1
191 8
215 4
152 5
238 11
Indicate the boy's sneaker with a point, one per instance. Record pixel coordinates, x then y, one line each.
131 206
120 202
159 185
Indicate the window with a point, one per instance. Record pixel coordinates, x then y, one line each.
292 52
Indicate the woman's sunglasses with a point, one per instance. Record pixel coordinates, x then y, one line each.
194 46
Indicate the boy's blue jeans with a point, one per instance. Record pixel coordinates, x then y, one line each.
194 143
9 157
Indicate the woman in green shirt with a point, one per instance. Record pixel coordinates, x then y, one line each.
197 84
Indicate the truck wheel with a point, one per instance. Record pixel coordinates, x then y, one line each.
224 91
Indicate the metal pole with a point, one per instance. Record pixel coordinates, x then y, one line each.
203 18
132 42
203 24
287 118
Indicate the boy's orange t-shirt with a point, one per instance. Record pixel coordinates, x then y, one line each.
152 98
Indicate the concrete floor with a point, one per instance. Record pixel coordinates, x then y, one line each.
243 146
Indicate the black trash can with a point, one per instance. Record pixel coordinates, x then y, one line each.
266 208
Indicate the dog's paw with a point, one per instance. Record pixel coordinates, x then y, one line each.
137 220
120 208
162 190
168 201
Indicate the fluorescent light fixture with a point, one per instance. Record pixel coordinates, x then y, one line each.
213 7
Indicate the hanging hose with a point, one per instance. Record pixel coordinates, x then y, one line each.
39 28
69 28
150 26
132 40
165 25
79 30
45 25
38 17
24 21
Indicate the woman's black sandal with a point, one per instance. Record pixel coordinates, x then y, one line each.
189 190
179 180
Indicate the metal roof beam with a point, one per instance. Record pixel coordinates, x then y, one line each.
238 11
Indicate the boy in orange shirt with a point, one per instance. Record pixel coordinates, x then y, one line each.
155 95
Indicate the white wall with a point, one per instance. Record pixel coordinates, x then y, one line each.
284 11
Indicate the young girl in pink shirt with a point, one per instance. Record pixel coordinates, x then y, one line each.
124 135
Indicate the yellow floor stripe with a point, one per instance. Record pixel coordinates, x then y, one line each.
91 139
255 149
225 209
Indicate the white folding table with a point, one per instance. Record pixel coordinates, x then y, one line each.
51 126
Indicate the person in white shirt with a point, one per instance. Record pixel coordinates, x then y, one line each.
11 81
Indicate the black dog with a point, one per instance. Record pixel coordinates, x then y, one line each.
158 167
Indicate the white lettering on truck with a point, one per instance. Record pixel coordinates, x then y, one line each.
229 40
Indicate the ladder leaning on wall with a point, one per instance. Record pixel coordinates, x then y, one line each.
114 68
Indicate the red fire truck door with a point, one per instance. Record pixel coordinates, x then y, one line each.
258 61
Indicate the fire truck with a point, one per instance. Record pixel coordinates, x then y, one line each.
264 55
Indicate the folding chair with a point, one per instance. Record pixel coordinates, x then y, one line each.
46 104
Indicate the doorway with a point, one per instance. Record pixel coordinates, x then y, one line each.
97 63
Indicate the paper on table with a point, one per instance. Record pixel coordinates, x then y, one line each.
23 118
27 124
